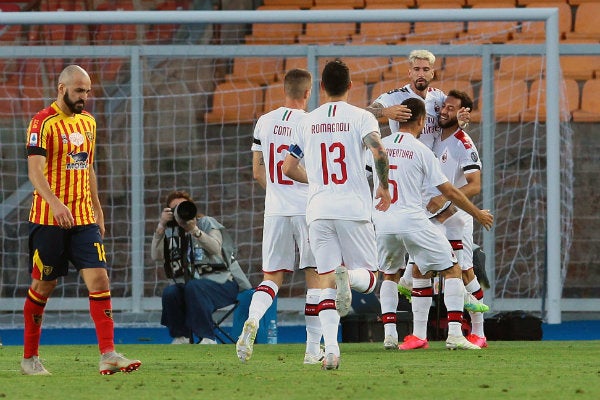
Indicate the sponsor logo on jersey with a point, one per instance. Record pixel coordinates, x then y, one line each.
79 160
474 157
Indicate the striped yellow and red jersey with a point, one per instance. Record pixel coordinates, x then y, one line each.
68 144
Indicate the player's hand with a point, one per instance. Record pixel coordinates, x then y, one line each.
385 199
436 203
62 215
464 117
486 219
400 113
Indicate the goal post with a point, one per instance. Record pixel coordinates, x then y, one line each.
136 96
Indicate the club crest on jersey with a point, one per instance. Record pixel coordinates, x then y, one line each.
37 318
89 135
76 138
108 313
47 270
444 157
474 157
33 139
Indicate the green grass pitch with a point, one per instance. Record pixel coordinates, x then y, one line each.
506 370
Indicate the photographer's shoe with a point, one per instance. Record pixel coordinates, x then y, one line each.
245 343
113 362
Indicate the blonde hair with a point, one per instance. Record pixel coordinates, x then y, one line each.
421 55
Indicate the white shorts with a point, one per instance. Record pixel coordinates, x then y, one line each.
429 249
460 227
281 237
391 253
466 256
337 242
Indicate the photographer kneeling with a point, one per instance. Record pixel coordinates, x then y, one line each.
198 255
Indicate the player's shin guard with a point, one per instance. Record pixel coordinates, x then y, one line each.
453 300
330 320
262 299
33 313
101 313
422 297
313 324
388 296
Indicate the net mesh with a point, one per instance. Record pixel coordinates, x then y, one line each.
197 133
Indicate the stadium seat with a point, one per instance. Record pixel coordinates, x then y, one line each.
9 34
534 31
525 67
536 106
295 3
274 97
235 102
32 83
463 68
274 33
164 33
586 22
579 67
492 31
328 33
590 103
510 100
389 4
357 95
259 70
367 69
527 3
382 32
438 31
439 4
349 3
455 84
10 97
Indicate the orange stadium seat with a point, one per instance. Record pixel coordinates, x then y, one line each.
9 34
164 33
590 103
439 4
536 2
463 68
274 33
536 31
438 31
274 97
328 33
536 106
579 67
349 3
455 84
357 95
492 31
525 67
295 62
33 95
578 2
382 32
295 3
510 100
260 70
236 102
367 69
389 4
586 22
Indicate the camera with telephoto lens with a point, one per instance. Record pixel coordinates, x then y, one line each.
183 212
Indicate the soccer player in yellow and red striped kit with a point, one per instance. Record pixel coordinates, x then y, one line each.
66 222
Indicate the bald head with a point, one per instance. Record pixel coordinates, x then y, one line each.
74 85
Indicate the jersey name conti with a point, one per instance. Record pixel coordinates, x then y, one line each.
272 137
68 144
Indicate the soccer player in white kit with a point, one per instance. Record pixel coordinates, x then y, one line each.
420 73
413 167
285 227
333 141
461 164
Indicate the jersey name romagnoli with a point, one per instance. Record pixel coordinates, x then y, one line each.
331 137
434 101
68 144
272 137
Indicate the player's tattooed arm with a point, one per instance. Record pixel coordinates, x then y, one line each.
382 165
376 109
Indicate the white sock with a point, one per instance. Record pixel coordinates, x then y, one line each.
388 297
330 320
454 301
313 324
477 324
262 299
420 307
362 280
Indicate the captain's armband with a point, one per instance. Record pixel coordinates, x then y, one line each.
296 151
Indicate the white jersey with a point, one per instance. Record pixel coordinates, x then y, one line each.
331 138
458 157
413 167
434 101
272 137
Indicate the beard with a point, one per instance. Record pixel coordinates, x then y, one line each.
421 85
76 107
447 123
